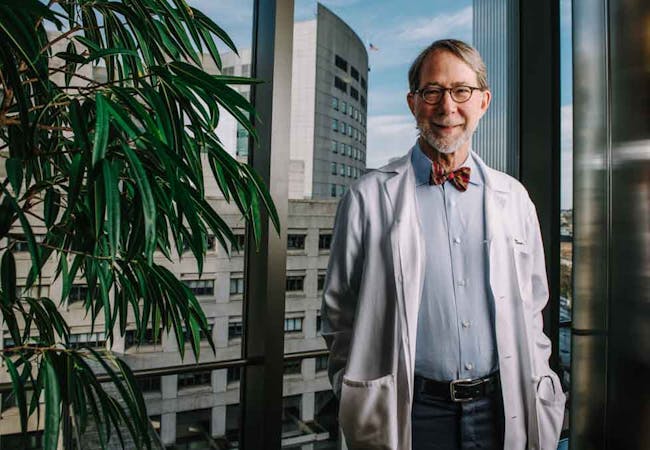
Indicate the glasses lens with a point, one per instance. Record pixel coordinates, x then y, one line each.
432 95
461 93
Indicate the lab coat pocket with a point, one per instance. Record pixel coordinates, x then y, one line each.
368 413
523 261
550 411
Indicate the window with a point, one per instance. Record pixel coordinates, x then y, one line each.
363 84
295 283
354 93
356 114
332 190
335 125
246 70
296 242
341 189
342 170
341 63
350 110
148 384
321 282
293 325
79 293
203 336
333 168
131 339
94 340
335 103
236 285
335 147
200 287
209 244
350 130
342 148
349 171
293 366
235 329
202 378
239 240
362 100
350 150
242 140
354 72
324 241
340 85
233 374
20 243
321 363
344 106
230 70
319 323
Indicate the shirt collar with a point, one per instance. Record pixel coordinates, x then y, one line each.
422 167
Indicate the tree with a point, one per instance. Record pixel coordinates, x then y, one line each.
110 172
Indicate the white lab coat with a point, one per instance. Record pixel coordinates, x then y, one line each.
371 300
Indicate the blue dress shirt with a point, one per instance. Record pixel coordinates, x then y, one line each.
455 334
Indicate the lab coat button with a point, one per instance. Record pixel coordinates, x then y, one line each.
469 366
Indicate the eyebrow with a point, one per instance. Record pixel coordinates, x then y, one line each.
454 84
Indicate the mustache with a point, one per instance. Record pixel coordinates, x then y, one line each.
446 123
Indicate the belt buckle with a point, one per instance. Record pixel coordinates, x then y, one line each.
468 382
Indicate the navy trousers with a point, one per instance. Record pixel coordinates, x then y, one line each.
446 425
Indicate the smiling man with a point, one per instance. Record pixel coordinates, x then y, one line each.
432 307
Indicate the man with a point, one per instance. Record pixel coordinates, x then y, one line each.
432 308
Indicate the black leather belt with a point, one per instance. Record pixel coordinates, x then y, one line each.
458 390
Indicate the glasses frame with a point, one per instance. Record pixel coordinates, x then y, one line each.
421 91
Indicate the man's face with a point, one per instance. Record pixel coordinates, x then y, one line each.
447 126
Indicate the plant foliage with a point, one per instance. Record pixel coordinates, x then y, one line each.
109 173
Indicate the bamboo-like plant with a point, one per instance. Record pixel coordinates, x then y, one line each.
110 172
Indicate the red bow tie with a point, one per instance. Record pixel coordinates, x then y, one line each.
459 177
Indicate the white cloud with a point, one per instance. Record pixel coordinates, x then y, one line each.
458 23
389 136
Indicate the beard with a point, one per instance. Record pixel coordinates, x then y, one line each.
444 145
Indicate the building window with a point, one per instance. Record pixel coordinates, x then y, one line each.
342 148
293 367
324 241
188 336
319 323
321 363
293 325
242 140
342 170
363 84
295 283
341 63
335 103
350 110
344 106
20 242
230 70
354 72
236 285
148 384
235 330
131 338
356 114
350 151
321 282
246 70
93 340
233 374
354 93
335 125
341 189
332 190
239 241
340 85
349 171
335 147
350 130
296 242
79 293
200 287
362 100
333 168
202 378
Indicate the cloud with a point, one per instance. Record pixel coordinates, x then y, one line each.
566 149
458 23
389 136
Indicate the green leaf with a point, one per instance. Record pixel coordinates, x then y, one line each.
52 404
51 207
14 167
102 125
18 391
8 275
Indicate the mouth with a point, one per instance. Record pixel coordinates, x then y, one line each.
446 128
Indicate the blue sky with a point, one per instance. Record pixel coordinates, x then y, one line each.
399 30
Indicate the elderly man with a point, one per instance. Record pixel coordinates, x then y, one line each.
432 307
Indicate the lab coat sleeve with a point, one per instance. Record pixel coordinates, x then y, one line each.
342 284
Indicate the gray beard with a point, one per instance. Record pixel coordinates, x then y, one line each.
442 145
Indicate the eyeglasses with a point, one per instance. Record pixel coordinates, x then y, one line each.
459 94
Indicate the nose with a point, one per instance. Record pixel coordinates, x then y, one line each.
446 103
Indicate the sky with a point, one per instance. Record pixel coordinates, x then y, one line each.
399 30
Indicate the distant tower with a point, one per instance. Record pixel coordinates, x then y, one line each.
496 37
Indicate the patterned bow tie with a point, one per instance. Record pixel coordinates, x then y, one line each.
459 177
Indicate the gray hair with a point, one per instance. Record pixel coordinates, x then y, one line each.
468 54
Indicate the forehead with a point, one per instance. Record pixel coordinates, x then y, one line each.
446 69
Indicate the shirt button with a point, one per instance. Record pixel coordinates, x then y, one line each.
466 323
461 282
456 240
469 366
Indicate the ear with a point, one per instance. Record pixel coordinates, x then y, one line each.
410 99
485 102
